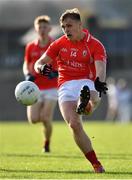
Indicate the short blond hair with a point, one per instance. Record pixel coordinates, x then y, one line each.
71 13
43 18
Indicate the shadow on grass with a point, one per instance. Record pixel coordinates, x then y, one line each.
119 156
44 171
43 155
61 171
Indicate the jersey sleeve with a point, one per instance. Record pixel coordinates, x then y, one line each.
53 50
99 51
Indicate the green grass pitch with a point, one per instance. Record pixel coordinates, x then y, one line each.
21 156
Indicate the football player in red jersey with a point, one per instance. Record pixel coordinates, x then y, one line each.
43 110
81 60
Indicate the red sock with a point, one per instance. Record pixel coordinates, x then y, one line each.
91 156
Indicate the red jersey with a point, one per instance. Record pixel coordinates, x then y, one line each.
32 53
76 60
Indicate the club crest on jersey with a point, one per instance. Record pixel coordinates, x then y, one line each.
84 53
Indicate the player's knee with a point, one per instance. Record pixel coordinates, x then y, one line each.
75 125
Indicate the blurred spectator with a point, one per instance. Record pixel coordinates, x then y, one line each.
112 95
124 101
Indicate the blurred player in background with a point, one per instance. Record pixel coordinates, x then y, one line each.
81 63
112 96
124 101
43 110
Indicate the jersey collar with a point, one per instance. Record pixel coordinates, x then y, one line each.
88 36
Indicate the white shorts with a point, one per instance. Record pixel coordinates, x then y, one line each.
51 94
70 90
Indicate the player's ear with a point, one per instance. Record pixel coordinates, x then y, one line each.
36 28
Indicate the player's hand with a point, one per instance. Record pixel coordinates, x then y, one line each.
29 77
101 87
53 74
46 69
